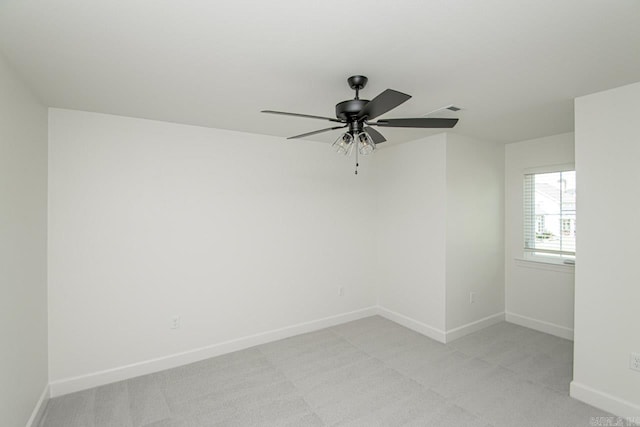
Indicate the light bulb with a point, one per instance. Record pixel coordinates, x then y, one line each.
365 144
343 144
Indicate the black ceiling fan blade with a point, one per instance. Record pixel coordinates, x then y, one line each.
316 131
308 116
386 101
375 135
424 122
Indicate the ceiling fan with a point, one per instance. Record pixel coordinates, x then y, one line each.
355 114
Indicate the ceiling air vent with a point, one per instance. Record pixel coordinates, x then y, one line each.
444 111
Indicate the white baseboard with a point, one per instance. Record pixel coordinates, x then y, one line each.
83 382
38 411
606 402
459 332
438 334
408 322
540 325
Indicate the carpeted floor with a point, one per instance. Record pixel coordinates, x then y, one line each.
371 372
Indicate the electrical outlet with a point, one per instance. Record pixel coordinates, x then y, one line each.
175 322
341 291
472 297
634 361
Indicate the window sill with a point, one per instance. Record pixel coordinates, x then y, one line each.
550 265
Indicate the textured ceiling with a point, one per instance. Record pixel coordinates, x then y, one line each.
514 66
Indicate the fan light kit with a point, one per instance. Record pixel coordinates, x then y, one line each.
355 115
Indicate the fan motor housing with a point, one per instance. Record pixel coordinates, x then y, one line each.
346 110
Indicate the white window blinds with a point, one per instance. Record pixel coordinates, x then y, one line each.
550 214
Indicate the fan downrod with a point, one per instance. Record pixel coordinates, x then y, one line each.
347 110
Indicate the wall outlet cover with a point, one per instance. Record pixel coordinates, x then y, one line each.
634 362
175 322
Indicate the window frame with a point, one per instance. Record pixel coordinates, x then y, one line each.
528 255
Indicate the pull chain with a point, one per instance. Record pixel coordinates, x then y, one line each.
357 164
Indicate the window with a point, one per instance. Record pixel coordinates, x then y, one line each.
550 215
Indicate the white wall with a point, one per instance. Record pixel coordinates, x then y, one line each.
23 222
237 233
243 234
607 293
440 234
475 230
538 295
411 194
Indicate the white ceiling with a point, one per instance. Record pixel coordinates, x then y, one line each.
513 65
